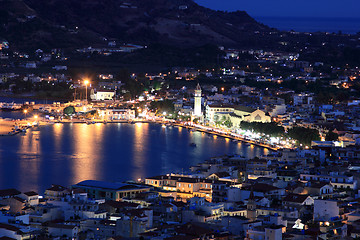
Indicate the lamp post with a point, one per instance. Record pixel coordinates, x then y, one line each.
86 82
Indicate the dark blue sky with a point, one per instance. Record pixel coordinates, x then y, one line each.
286 8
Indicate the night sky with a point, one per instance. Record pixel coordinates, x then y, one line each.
286 8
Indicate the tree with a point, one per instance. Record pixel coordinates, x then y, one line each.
162 106
196 120
271 129
127 96
331 136
70 110
304 135
228 123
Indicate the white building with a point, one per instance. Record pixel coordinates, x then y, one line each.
102 95
117 114
260 233
235 114
324 210
60 230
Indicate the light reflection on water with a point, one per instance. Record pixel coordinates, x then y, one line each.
140 143
87 140
68 153
30 150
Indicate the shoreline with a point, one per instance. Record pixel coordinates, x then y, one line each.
33 98
194 128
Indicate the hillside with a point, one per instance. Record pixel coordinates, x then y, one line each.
72 23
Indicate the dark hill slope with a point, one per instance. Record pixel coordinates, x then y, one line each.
72 22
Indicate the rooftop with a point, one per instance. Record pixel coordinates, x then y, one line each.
9 192
31 193
105 185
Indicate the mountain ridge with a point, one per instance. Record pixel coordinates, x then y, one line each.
72 23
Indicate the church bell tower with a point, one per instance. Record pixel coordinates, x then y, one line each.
197 102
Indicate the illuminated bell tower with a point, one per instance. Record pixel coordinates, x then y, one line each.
197 102
251 207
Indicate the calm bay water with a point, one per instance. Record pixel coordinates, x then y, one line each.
68 153
313 24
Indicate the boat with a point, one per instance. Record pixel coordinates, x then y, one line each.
192 144
8 107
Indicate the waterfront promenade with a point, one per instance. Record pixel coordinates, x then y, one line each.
7 127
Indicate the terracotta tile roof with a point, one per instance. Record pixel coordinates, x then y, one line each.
19 199
31 193
120 204
56 188
9 192
295 198
63 226
318 185
261 187
9 227
192 229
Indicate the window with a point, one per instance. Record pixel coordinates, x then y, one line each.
189 185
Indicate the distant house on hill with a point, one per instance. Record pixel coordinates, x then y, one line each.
101 95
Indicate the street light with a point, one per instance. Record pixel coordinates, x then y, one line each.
86 82
25 111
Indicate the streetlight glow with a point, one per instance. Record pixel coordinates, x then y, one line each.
86 82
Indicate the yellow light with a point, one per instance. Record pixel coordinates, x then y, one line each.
25 111
36 116
86 82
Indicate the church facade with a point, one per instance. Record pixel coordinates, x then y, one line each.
236 114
